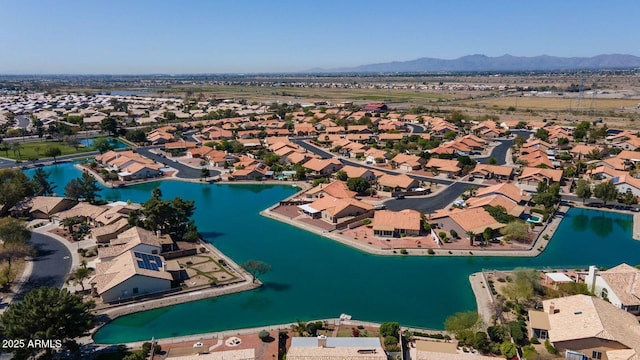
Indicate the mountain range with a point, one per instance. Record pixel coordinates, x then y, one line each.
473 63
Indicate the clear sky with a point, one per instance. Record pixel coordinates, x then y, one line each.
248 36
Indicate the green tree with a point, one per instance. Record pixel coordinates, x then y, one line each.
256 268
263 335
342 175
170 217
389 328
47 313
524 283
15 186
14 231
606 191
41 184
85 187
136 136
542 134
487 234
493 161
462 321
516 231
449 135
109 124
359 185
102 145
81 273
72 141
204 173
583 190
509 349
53 151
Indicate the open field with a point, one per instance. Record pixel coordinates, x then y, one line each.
256 93
557 103
36 150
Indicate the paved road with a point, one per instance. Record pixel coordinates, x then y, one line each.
500 151
429 204
184 171
50 266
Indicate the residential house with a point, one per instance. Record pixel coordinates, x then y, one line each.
375 156
397 183
131 274
43 207
387 223
104 234
199 152
619 285
82 210
444 166
407 162
505 189
375 107
336 348
356 172
336 189
323 167
138 171
258 171
486 171
532 176
536 158
334 210
627 184
136 239
582 326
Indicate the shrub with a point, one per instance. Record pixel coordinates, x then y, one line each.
442 235
550 349
534 340
403 251
366 221
203 250
264 334
431 252
454 234
355 332
390 341
545 236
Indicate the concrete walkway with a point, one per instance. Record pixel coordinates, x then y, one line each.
636 226
484 299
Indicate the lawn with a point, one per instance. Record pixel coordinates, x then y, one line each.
36 150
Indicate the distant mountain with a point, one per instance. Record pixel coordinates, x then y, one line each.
500 63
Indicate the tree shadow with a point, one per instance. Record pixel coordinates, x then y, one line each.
211 234
278 287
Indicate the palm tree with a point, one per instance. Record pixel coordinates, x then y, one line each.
299 327
471 236
81 273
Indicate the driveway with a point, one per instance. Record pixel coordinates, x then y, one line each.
184 171
50 266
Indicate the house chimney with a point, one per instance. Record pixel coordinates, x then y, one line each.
592 277
158 233
322 341
552 308
164 266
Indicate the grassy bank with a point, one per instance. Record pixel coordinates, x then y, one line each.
36 150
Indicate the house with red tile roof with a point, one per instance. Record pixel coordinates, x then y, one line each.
336 189
397 183
323 167
536 158
373 155
199 152
506 189
444 166
258 171
387 223
357 171
407 162
532 176
334 210
487 171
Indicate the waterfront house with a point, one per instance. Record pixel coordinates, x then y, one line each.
387 223
627 184
619 285
131 274
138 171
257 171
337 189
199 152
336 348
582 326
335 211
104 234
135 238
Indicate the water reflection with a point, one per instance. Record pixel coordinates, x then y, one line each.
601 225
579 222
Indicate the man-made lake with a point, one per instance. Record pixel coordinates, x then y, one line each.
314 277
115 143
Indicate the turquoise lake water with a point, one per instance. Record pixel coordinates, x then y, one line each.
115 143
314 277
